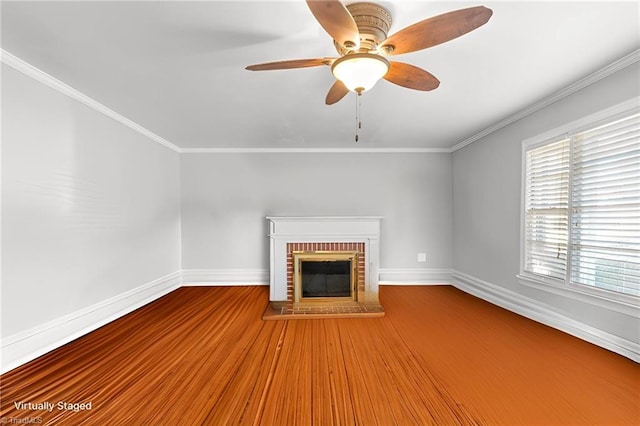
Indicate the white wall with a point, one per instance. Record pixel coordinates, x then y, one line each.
486 188
90 208
225 198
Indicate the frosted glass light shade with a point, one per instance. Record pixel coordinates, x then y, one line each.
360 71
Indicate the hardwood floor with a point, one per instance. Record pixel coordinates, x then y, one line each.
203 355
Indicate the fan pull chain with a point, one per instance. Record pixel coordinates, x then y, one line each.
358 116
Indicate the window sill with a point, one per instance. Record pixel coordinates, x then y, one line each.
622 303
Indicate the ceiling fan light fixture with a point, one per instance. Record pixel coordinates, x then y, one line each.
360 71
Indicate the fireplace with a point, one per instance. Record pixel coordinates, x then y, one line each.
324 264
336 266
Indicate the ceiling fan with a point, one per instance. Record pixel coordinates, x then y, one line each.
359 31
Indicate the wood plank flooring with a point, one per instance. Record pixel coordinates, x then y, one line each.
203 355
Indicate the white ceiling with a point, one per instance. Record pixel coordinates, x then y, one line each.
177 68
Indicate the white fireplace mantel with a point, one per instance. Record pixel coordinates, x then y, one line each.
292 229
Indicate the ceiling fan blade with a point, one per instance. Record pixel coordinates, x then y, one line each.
410 76
296 63
436 30
336 20
336 92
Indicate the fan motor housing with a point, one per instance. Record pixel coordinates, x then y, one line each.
373 23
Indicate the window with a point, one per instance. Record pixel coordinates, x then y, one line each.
581 206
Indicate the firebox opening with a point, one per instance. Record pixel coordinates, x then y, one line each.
326 278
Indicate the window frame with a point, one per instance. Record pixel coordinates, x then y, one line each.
620 302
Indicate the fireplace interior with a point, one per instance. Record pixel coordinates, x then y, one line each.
326 278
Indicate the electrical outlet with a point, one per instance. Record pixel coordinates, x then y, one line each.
422 257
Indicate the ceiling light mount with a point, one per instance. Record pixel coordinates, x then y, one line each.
373 23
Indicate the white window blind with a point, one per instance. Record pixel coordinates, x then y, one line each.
582 207
547 205
605 220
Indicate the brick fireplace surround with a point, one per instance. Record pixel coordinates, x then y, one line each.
323 234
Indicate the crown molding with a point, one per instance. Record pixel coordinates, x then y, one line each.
309 150
52 82
608 70
46 79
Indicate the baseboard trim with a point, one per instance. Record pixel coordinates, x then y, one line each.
224 277
415 276
28 345
541 313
